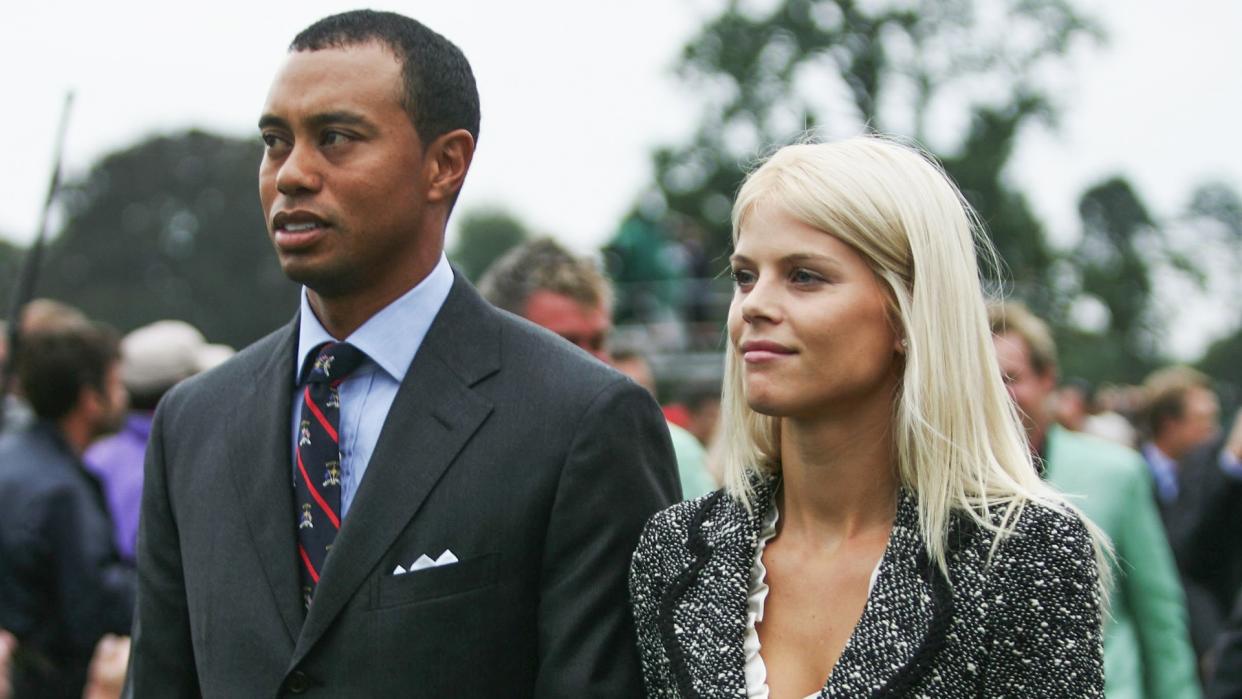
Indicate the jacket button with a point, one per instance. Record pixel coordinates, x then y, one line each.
297 682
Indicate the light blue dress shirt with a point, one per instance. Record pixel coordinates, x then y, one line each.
1163 472
390 339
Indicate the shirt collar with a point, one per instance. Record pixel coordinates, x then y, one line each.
1158 458
391 337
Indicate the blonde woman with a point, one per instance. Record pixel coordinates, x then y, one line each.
882 531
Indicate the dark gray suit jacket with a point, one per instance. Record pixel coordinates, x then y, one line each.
536 465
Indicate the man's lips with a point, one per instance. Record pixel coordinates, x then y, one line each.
293 230
764 351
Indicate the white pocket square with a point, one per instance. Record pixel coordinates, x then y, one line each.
424 561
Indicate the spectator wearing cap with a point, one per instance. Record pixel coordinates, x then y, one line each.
154 358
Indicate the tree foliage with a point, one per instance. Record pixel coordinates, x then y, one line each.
172 228
845 66
483 235
962 79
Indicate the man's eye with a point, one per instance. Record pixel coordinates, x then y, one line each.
271 140
333 138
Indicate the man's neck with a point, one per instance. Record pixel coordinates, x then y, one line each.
342 314
76 432
1166 450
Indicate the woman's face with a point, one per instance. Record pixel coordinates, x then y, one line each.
809 319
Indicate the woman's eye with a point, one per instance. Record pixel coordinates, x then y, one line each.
803 276
742 277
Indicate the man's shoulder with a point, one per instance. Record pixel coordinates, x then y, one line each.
235 374
1101 457
542 356
32 468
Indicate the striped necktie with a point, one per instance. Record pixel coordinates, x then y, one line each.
317 479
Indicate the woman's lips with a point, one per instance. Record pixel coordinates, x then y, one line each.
761 351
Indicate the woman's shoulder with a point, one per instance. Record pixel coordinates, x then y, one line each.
1049 545
674 525
1052 527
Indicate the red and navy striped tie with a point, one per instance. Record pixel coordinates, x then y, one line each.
317 479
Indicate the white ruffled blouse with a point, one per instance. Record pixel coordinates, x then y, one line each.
756 672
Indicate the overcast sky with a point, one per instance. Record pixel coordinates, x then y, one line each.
575 93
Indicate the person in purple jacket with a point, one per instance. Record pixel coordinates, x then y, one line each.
155 358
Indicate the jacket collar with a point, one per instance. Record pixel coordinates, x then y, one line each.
901 628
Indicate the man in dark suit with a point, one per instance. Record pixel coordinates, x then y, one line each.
1209 516
63 585
471 536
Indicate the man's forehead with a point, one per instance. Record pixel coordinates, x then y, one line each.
355 71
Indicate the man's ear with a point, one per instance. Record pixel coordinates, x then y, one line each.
90 401
450 157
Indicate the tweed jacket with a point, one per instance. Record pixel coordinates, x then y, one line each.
1025 623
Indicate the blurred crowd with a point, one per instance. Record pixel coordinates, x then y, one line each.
75 429
1149 464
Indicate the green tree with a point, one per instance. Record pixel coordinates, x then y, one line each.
483 235
846 65
172 228
1115 268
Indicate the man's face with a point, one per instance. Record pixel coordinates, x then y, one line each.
1029 388
111 404
585 326
343 179
1199 422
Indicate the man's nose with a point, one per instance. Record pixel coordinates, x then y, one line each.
299 173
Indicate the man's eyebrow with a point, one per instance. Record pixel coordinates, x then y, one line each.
317 120
271 120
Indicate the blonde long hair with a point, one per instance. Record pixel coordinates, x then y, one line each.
958 441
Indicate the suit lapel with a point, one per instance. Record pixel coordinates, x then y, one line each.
897 617
713 602
433 415
261 462
711 597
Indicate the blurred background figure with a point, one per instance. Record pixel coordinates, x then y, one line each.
62 583
106 676
691 455
1204 521
1073 400
1147 651
546 284
1106 421
7 645
1181 413
37 315
154 358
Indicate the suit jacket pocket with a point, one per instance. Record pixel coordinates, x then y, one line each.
440 581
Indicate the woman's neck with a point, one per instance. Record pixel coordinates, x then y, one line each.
838 472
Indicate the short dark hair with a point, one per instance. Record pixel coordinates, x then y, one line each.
440 94
54 366
1166 392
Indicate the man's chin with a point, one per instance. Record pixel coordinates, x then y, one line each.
322 279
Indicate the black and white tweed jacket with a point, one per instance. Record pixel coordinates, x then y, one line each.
1027 624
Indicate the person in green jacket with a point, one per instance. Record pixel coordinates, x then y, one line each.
1147 649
